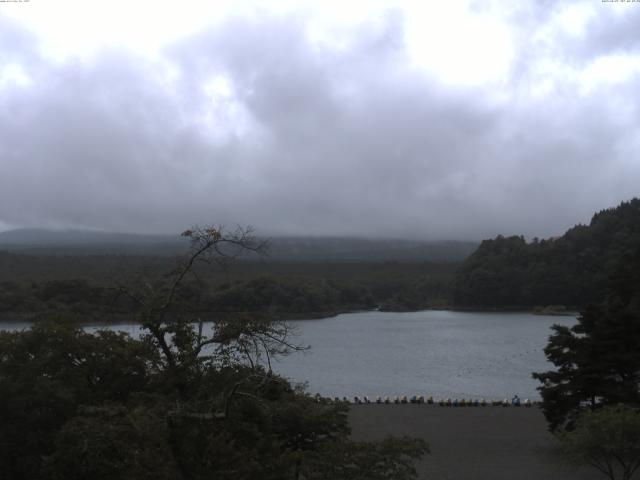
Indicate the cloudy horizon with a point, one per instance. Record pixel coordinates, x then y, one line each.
456 120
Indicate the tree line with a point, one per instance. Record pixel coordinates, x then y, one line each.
591 399
571 270
33 286
181 402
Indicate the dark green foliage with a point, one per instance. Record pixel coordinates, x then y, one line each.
38 285
75 405
112 442
47 372
281 297
75 295
428 291
598 359
179 403
608 439
570 270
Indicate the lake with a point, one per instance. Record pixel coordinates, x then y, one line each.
439 353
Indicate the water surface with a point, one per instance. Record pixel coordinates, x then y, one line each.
439 353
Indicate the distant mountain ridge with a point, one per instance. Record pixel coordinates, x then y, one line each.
88 242
315 249
45 237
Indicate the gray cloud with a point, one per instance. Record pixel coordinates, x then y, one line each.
305 138
608 33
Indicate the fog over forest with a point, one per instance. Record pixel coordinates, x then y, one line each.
367 119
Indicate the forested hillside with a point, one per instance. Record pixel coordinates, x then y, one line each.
571 270
34 285
299 277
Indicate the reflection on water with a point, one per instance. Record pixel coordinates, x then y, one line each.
439 353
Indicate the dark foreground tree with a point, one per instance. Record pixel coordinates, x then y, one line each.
608 439
598 359
48 372
178 403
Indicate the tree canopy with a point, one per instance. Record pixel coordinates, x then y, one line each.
608 439
598 359
176 403
570 270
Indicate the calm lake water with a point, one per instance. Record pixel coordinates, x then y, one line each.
439 353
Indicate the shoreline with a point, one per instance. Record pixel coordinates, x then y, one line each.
125 318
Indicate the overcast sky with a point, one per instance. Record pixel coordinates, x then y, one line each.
435 120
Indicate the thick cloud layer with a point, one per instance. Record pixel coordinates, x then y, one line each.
257 122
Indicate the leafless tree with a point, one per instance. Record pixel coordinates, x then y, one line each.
182 340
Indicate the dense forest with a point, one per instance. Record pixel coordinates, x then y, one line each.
506 272
181 402
571 270
80 271
33 285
